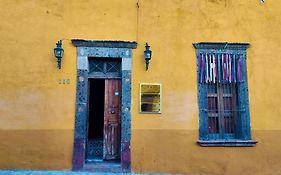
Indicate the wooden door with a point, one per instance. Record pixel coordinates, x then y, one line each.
112 119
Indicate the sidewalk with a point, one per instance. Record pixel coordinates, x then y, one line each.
40 172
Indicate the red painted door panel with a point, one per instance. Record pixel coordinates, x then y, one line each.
112 119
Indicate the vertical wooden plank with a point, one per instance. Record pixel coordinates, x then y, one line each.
221 109
112 119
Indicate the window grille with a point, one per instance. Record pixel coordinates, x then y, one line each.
97 65
222 108
107 66
221 73
222 93
113 66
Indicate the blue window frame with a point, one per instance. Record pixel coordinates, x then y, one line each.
224 117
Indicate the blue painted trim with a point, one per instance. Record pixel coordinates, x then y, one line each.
221 45
227 143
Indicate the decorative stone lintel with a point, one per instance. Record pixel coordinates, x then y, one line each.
101 43
82 62
126 64
221 45
227 143
104 52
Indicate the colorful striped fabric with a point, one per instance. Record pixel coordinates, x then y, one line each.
220 67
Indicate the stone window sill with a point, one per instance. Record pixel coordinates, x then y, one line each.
227 143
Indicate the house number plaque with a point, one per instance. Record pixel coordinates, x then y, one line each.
64 81
150 98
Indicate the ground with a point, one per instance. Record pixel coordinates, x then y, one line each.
30 172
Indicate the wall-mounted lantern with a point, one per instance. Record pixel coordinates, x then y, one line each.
59 53
147 55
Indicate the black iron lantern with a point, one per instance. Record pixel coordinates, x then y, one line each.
59 53
147 55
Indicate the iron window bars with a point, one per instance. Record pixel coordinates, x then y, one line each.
224 118
107 68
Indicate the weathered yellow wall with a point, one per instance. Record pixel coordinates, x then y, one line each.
37 113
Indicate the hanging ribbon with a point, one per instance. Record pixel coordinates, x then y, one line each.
220 68
215 68
224 67
211 67
233 68
207 69
201 71
239 71
230 68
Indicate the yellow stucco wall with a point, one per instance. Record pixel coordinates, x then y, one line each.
37 113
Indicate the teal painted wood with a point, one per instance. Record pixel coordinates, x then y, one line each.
227 143
221 46
202 94
245 130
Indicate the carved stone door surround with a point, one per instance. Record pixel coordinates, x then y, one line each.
102 49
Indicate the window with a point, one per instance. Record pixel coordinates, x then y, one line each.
109 67
224 118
